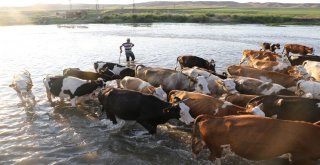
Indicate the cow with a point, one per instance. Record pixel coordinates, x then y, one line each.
260 55
87 75
268 46
273 77
106 67
247 85
312 68
191 61
203 104
287 107
273 66
297 49
299 59
257 138
22 84
71 87
171 79
216 85
238 99
147 110
299 72
308 89
139 85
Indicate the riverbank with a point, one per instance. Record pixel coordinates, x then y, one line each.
270 16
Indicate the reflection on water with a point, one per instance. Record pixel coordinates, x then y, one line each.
44 135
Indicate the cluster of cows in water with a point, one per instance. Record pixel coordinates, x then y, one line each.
265 108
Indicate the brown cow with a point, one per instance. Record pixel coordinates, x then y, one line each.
258 138
297 49
274 77
256 54
204 104
274 66
239 99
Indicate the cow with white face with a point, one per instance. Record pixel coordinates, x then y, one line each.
171 79
216 85
139 85
22 84
71 87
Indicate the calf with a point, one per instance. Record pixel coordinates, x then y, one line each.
139 85
86 75
257 138
203 104
147 110
273 77
22 84
287 107
76 89
191 61
297 49
268 46
247 85
171 79
122 71
216 85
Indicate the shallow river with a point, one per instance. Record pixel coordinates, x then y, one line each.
44 135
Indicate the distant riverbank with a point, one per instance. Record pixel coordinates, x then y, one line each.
276 16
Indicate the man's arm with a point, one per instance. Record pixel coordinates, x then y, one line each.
121 48
132 44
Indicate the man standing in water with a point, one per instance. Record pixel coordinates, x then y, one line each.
127 47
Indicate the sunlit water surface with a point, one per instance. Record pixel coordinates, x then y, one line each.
44 135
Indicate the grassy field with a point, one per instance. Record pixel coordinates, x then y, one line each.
270 16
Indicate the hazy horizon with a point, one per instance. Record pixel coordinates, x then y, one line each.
19 3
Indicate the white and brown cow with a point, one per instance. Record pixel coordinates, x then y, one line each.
252 86
204 104
139 85
71 87
171 79
297 49
22 84
273 66
267 76
257 138
216 85
262 55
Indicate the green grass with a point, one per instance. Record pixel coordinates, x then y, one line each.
271 16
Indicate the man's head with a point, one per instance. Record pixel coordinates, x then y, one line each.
128 39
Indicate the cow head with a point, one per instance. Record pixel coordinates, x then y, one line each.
299 72
201 85
228 85
160 93
255 110
309 50
184 114
212 65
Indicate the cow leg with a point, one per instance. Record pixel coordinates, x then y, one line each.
152 129
215 154
61 100
111 116
20 97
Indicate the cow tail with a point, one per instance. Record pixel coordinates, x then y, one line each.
194 131
178 58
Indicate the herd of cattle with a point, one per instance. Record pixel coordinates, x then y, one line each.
265 108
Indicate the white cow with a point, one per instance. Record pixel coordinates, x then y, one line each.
216 85
308 89
22 84
313 68
139 85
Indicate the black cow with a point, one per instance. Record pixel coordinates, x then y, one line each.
298 60
107 67
147 110
268 46
191 61
288 107
86 75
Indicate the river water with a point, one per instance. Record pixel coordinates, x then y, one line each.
44 135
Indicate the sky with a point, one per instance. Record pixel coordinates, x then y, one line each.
32 2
